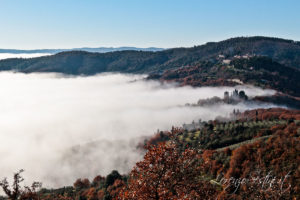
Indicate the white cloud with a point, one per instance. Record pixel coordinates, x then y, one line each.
22 55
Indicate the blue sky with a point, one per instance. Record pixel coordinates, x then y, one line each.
31 24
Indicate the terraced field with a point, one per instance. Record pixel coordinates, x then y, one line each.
216 135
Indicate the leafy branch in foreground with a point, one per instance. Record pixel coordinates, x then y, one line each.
16 191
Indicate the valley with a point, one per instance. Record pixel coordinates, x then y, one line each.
223 110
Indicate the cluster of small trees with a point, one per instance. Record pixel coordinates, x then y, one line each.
216 134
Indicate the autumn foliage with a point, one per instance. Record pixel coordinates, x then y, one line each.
167 173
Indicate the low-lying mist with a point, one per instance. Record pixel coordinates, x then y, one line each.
62 128
22 55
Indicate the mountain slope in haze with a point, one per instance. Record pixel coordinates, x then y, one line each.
88 49
285 52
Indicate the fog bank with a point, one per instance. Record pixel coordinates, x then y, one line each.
22 55
61 128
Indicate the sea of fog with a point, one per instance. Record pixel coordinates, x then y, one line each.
22 55
61 128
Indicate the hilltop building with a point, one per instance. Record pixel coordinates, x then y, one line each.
193 126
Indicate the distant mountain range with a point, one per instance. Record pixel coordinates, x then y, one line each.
285 52
93 50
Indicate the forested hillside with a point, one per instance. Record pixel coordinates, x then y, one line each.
258 71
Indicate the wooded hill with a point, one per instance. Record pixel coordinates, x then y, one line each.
259 71
285 52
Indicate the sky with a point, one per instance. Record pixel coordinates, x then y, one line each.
36 24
